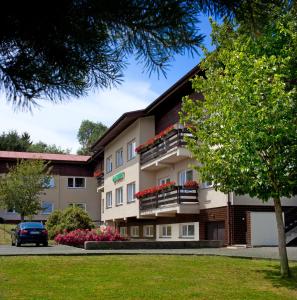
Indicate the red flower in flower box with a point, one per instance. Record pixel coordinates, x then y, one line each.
151 141
98 173
191 184
155 189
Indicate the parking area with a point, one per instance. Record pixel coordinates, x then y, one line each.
261 252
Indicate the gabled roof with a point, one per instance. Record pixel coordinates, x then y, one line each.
128 118
117 127
44 156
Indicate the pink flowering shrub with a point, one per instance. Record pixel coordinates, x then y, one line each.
79 236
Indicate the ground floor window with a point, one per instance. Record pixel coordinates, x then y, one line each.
187 230
148 230
165 231
123 231
83 206
47 207
134 231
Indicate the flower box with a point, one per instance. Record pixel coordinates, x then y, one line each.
157 137
155 189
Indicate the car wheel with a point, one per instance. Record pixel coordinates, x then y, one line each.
18 243
45 244
37 244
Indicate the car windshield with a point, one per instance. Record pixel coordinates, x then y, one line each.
31 225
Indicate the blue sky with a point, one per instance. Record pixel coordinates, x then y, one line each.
59 123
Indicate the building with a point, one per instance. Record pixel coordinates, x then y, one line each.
72 184
144 151
141 181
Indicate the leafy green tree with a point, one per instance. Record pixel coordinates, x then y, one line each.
245 130
89 132
12 141
41 147
21 187
69 219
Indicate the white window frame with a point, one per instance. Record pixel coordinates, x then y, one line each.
187 235
164 180
164 234
123 231
131 200
81 205
183 176
108 198
109 164
148 230
119 157
134 231
74 179
131 146
42 209
119 196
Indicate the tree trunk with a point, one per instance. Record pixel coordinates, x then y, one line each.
285 272
22 218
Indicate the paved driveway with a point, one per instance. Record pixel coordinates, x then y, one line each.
261 252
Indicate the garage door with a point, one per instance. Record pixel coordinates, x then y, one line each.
215 231
263 229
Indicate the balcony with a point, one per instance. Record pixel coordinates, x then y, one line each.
100 180
176 199
165 150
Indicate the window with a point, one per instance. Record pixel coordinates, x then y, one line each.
108 164
131 149
47 207
108 199
11 211
134 231
76 182
119 196
123 231
165 231
119 158
82 206
207 184
51 182
164 180
130 192
148 230
187 230
184 176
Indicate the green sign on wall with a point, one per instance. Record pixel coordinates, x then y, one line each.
118 177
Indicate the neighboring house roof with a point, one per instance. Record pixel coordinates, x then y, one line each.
44 156
128 118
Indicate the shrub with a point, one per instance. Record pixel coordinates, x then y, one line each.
54 223
70 219
79 236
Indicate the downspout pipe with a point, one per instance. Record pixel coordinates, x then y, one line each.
229 219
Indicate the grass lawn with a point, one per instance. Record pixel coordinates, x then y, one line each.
5 233
142 277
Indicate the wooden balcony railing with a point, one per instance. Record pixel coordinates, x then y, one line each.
173 139
100 180
175 195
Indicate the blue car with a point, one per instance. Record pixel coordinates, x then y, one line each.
28 233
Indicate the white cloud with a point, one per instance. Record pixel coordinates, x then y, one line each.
59 123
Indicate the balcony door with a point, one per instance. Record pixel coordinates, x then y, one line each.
184 176
164 180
